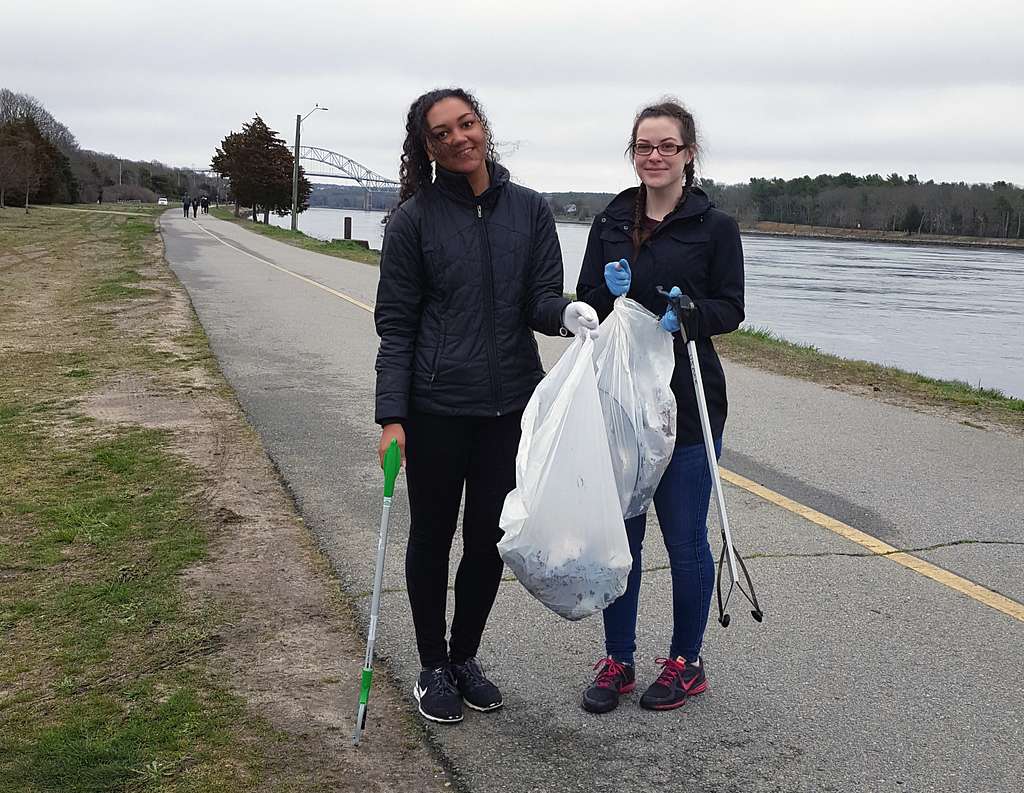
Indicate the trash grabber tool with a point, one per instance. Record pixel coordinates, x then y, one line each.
682 306
392 463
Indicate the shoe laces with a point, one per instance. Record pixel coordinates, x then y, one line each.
670 670
472 670
610 670
443 680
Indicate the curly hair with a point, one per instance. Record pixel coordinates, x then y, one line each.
415 172
668 107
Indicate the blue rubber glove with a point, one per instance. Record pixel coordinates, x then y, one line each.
617 277
669 321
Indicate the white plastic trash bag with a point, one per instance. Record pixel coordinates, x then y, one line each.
564 535
634 360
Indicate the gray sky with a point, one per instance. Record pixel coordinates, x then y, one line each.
778 88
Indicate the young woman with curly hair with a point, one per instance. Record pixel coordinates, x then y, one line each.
470 268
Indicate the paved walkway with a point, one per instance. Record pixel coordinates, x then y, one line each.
865 676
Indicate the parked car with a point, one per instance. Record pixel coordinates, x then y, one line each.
162 200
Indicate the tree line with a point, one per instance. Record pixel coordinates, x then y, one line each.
350 197
876 202
889 203
41 161
34 149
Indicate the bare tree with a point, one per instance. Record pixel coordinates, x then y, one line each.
14 106
29 171
9 160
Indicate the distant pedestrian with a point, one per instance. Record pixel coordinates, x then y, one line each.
470 268
667 232
205 203
195 207
185 202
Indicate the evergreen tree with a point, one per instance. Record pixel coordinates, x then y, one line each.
259 166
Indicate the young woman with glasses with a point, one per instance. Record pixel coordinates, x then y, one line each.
470 268
666 232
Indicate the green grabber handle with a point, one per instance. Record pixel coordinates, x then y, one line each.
392 465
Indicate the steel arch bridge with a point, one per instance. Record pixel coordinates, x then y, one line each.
370 181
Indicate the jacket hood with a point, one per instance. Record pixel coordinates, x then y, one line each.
456 185
620 210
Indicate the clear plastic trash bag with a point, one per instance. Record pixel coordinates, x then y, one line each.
634 360
564 535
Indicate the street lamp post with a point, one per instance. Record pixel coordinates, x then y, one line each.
295 166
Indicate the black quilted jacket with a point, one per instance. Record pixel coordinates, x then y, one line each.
464 282
696 248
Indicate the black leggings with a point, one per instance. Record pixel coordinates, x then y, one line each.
443 454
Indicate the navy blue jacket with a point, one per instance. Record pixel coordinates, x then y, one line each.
696 248
464 282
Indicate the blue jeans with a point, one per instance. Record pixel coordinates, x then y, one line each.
681 501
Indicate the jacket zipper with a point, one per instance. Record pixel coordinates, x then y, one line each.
492 343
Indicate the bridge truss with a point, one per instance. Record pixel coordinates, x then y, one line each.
370 181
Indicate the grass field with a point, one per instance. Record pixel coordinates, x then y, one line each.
761 348
343 249
102 680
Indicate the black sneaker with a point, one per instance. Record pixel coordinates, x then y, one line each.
477 691
678 680
437 696
613 680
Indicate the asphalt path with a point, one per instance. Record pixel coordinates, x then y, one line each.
864 676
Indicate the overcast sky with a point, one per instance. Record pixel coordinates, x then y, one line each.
778 88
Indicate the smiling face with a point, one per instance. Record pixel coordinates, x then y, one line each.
457 138
657 170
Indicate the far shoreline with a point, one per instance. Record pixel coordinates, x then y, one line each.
796 231
766 228
800 231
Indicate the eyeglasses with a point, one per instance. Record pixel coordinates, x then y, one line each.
664 149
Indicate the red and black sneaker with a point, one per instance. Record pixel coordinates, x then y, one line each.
612 681
678 680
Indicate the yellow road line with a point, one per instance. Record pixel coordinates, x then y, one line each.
957 583
986 596
310 281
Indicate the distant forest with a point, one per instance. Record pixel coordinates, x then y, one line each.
40 155
889 203
338 196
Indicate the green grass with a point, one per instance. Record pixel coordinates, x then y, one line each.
343 249
106 645
153 210
103 683
761 348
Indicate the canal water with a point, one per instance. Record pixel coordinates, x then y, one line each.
955 313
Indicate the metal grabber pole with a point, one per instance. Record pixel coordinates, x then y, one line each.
683 306
392 463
